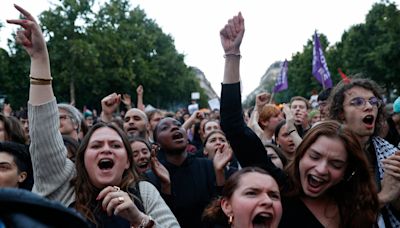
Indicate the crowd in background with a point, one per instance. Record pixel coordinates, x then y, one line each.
331 160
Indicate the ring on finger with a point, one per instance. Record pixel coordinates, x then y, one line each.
120 199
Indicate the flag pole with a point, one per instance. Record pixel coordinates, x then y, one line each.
272 97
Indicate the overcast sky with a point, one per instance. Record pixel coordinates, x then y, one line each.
275 30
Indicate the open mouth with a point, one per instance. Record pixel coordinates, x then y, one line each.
315 181
369 119
131 129
262 220
105 164
177 135
143 165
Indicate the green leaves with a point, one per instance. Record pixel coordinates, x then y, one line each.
116 49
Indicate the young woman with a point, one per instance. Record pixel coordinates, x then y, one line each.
276 155
141 153
103 186
250 198
212 142
332 185
193 181
284 140
329 171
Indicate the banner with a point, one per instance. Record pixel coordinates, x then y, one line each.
281 82
319 66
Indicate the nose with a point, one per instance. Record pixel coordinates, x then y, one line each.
368 105
106 148
322 167
266 200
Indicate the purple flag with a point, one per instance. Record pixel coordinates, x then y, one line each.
281 81
319 66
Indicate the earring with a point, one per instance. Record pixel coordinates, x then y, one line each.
230 219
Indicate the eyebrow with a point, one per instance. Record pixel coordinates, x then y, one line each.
5 163
332 159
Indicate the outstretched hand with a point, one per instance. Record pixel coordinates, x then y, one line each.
127 100
232 34
31 37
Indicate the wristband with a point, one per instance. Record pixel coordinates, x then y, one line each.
233 54
39 82
41 79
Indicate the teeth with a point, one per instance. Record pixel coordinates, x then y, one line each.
317 178
315 181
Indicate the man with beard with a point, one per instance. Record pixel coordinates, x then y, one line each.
299 107
358 104
135 120
136 123
187 183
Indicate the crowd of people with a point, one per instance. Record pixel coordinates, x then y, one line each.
329 161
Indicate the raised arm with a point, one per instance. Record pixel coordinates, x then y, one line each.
262 99
52 170
109 104
32 40
246 145
140 91
231 38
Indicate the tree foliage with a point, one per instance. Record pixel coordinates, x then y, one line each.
116 49
370 49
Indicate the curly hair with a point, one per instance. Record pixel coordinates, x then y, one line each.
336 99
356 194
85 191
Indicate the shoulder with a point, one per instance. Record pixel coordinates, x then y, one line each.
147 188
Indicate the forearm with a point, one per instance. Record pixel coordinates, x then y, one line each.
219 177
51 168
253 123
140 104
106 117
188 123
232 69
40 68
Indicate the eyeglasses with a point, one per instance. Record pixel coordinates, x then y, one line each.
64 117
360 102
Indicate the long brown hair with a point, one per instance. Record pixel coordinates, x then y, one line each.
85 191
356 194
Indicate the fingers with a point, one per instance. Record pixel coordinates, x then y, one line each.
154 150
24 12
115 200
112 197
107 190
394 174
392 166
